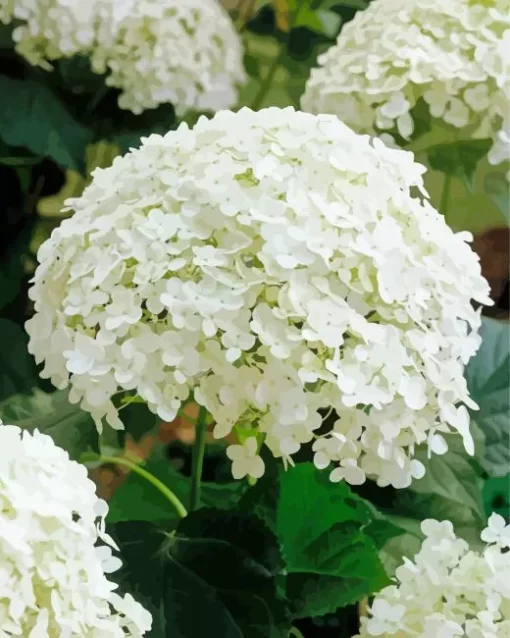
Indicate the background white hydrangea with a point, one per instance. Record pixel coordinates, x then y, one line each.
454 54
275 263
52 572
448 590
186 52
48 30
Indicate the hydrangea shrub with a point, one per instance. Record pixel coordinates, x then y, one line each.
276 280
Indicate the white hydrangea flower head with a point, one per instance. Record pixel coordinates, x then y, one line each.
47 30
275 264
185 52
52 569
455 55
448 590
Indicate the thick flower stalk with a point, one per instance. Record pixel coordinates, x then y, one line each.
448 590
186 52
52 570
454 55
47 30
277 265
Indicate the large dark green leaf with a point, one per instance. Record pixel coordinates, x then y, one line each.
142 573
488 378
214 575
70 427
17 368
137 500
330 538
32 117
231 560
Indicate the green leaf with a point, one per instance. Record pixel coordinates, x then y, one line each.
215 575
404 545
32 117
138 419
78 77
488 379
70 427
329 537
142 573
12 271
323 21
450 490
331 560
340 567
459 159
135 499
496 495
451 476
498 188
17 368
228 561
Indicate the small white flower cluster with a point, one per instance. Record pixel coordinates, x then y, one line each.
454 54
52 572
275 264
186 52
51 29
448 590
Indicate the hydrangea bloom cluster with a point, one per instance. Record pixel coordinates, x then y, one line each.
455 55
51 29
448 590
186 52
276 264
52 572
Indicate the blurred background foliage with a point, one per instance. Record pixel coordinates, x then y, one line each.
57 127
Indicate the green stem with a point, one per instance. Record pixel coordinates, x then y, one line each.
264 87
295 633
150 478
198 459
268 79
244 15
445 196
